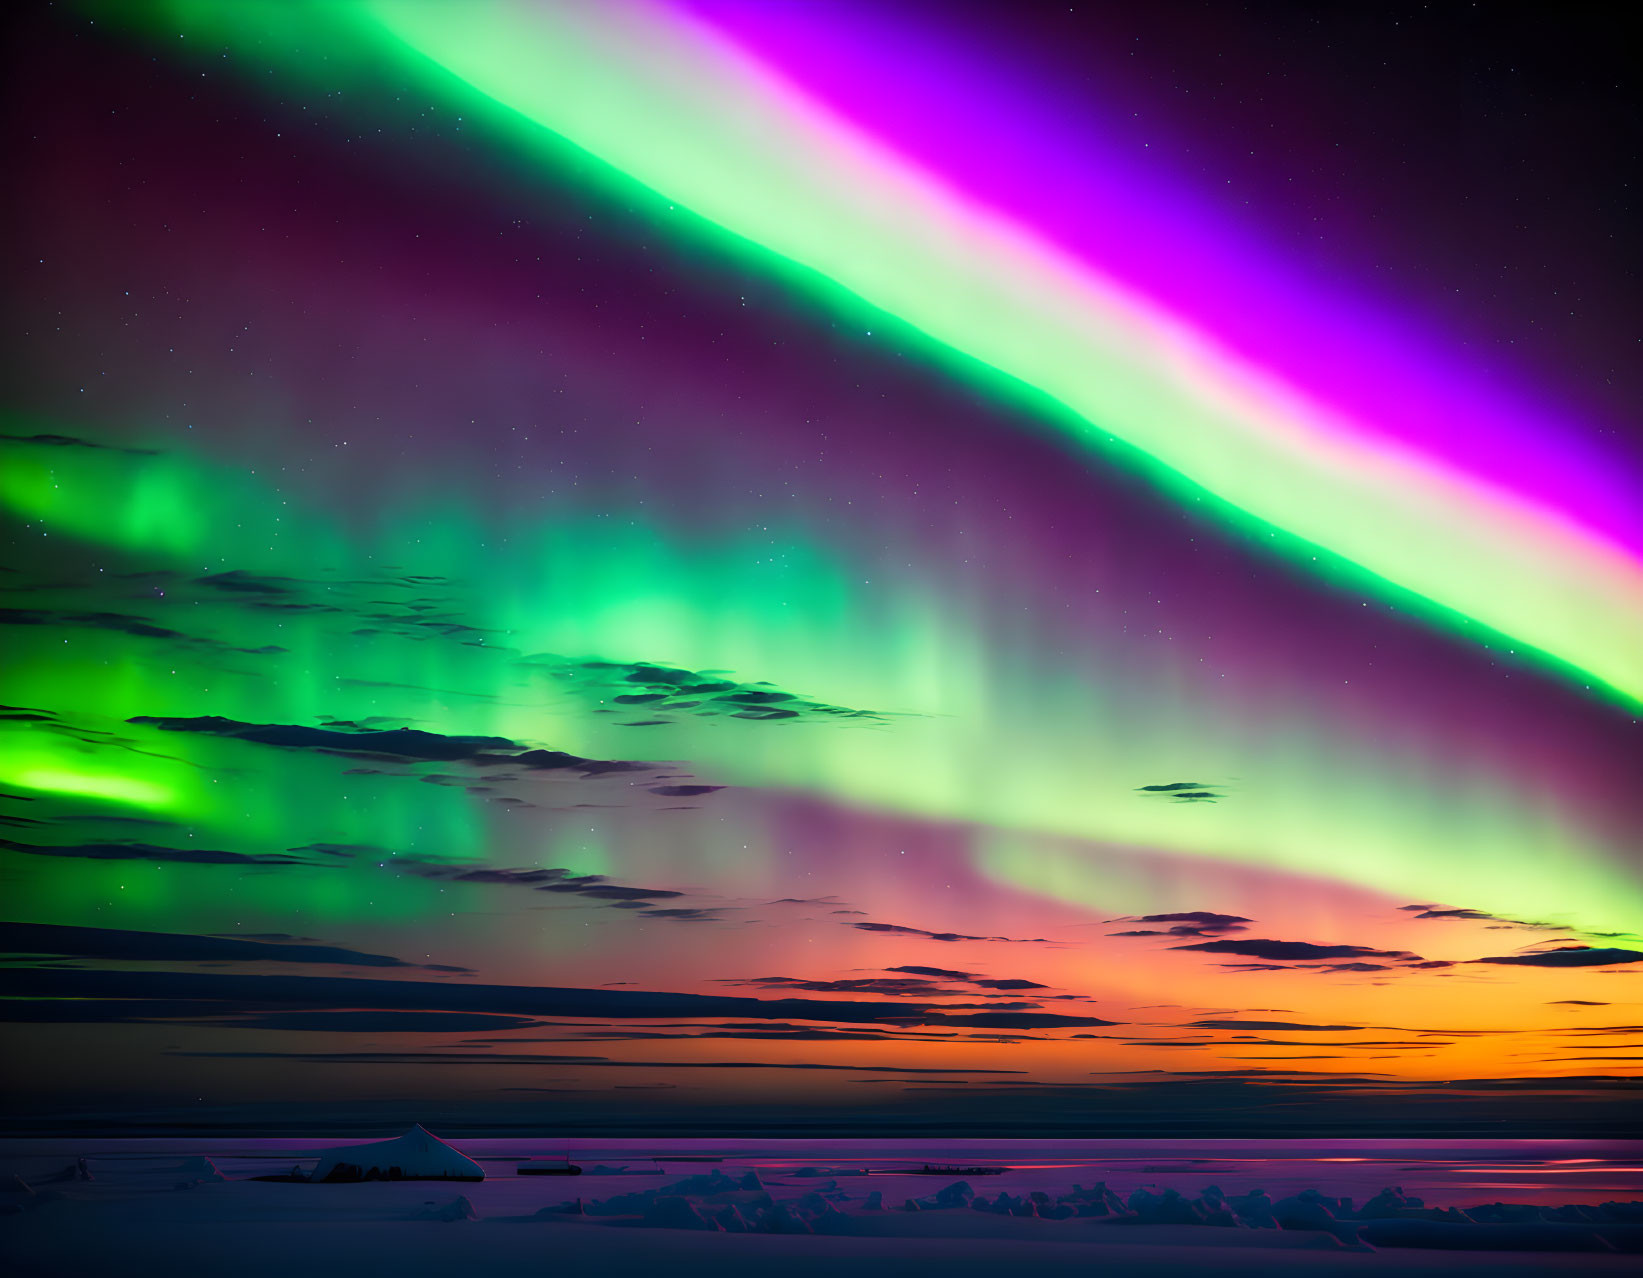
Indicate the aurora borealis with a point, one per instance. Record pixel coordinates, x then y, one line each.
677 553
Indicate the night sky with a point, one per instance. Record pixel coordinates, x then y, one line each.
673 565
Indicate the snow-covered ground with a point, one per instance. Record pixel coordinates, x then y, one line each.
152 1207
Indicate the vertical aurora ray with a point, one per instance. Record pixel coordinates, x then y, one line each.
952 680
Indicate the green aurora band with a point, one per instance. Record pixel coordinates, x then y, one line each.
945 677
683 114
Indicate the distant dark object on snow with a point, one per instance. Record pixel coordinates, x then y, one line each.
930 1169
548 1167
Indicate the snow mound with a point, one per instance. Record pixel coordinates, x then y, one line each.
459 1208
417 1155
670 1211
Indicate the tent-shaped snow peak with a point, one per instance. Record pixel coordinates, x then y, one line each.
417 1155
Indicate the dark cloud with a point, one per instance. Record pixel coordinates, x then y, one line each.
400 744
579 1062
684 791
1198 918
1183 791
1568 956
1274 1025
131 851
104 1011
970 978
486 874
774 1032
240 582
1024 1021
20 822
1575 1002
1251 1041
48 721
560 881
595 886
937 1022
74 441
368 1021
110 943
1294 951
939 973
121 623
1483 916
1002 1005
397 743
366 851
559 761
553 1091
1186 923
667 691
890 986
898 930
260 992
